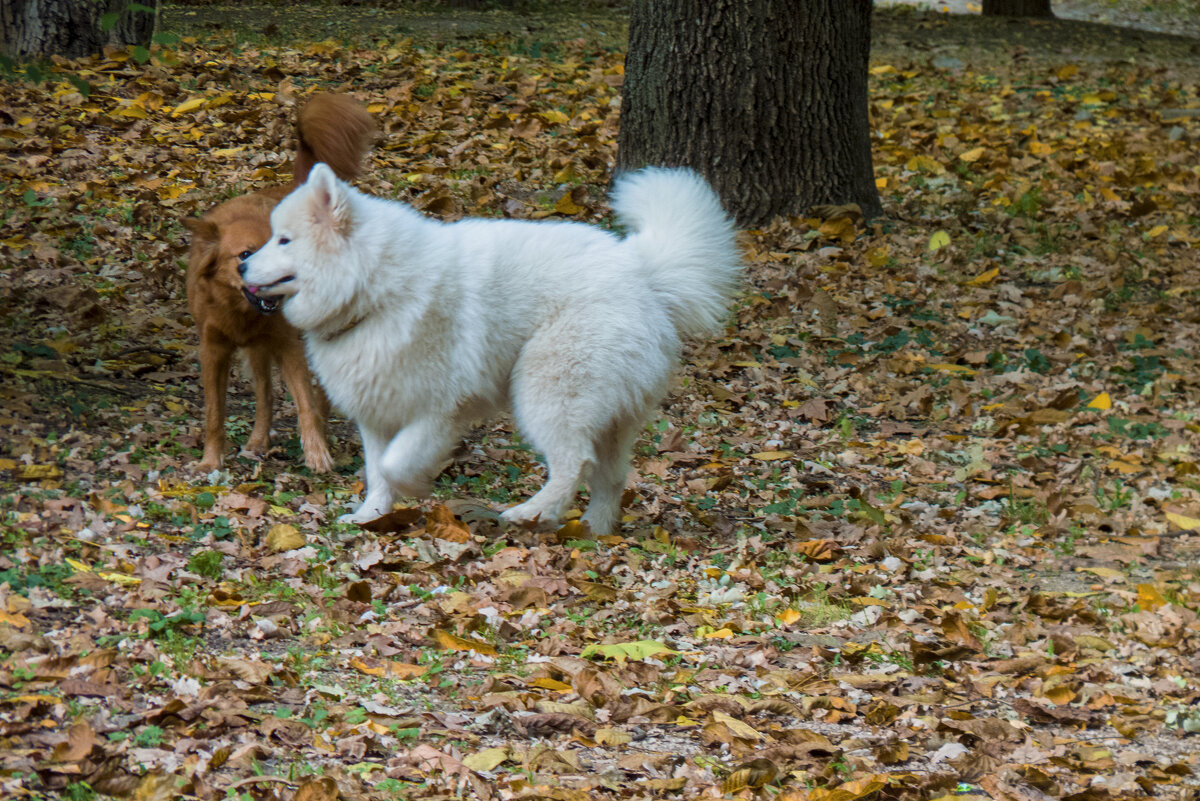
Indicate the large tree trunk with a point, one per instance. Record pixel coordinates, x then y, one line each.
765 98
71 28
1017 8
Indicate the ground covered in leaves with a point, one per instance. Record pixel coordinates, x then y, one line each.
921 524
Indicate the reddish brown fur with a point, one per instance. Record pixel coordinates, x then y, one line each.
338 131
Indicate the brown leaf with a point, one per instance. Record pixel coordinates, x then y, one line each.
394 521
322 789
443 525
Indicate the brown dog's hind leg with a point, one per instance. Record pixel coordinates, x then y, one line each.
312 407
260 365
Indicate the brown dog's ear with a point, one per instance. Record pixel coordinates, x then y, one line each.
202 228
202 255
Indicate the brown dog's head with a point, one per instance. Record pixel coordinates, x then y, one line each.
222 240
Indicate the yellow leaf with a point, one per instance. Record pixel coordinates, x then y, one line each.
851 790
611 737
1183 521
1040 148
972 155
1149 598
487 759
882 69
772 456
38 472
924 164
135 112
554 117
953 368
719 634
191 104
788 616
621 651
173 191
449 642
1067 71
1061 694
14 619
567 205
36 698
939 240
984 278
228 151
1101 401
121 578
406 670
739 728
284 537
547 683
1104 572
77 566
370 670
1157 230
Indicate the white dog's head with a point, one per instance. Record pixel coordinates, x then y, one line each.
305 262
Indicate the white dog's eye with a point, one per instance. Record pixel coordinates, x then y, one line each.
283 240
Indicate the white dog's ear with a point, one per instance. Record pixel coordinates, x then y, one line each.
328 200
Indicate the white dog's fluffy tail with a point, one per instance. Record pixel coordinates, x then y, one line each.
686 242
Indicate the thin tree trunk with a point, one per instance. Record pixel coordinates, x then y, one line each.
1017 8
765 98
70 28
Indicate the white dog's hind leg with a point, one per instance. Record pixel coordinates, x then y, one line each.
551 502
607 480
411 460
379 493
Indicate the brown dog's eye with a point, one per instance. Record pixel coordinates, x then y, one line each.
245 254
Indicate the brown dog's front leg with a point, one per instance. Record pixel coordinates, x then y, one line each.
215 355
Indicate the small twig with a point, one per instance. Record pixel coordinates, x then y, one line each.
257 779
145 349
70 377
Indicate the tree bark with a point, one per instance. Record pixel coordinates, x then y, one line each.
765 98
70 28
1017 8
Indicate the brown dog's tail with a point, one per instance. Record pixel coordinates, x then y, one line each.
335 129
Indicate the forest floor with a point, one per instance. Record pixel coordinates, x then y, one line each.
922 524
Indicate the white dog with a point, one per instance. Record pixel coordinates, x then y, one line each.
418 328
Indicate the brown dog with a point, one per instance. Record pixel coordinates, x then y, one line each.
331 128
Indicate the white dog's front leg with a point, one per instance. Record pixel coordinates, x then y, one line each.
379 493
412 459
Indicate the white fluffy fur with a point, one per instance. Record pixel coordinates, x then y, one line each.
418 328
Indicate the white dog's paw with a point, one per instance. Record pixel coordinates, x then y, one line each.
525 514
601 522
367 512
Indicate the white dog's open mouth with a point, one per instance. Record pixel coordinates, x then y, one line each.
262 298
